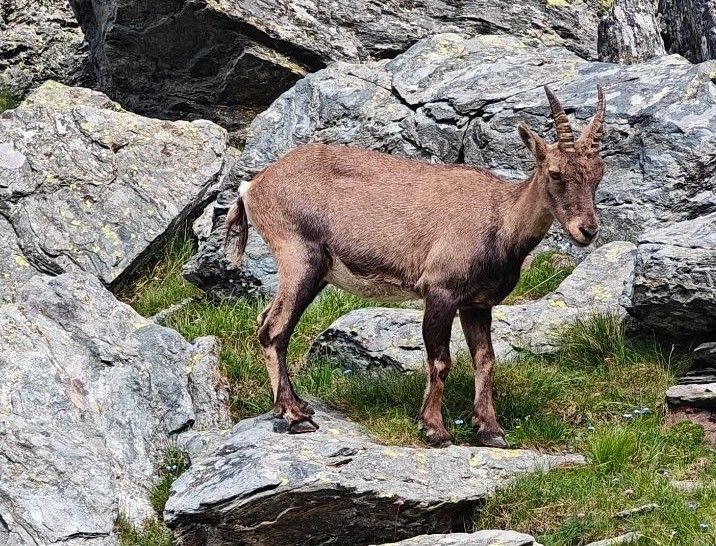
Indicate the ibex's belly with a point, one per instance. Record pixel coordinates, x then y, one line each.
374 287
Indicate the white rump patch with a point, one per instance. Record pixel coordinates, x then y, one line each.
244 187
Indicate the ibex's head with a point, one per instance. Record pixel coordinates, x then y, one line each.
571 170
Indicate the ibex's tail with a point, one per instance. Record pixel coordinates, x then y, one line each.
237 231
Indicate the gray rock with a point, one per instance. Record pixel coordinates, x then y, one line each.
689 28
626 538
88 186
40 40
675 284
487 537
630 33
235 58
697 387
91 395
382 338
452 99
258 486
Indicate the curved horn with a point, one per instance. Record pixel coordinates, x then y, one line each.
565 136
594 130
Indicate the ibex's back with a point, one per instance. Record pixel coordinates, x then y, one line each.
386 227
379 219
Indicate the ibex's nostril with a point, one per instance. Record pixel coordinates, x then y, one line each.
589 232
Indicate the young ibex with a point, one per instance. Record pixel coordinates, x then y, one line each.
385 227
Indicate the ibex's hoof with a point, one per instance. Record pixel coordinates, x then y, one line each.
302 427
491 439
436 437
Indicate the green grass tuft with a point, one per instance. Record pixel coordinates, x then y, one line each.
543 276
152 533
173 465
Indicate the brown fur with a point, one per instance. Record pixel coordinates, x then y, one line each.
377 224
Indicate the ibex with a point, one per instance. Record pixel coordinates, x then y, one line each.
381 226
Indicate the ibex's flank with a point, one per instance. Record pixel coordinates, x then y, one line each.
385 227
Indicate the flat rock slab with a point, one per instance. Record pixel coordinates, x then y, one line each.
91 395
450 99
256 486
675 283
487 537
374 339
85 185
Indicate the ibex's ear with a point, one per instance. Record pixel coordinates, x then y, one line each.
533 141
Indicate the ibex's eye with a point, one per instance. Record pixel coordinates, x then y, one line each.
555 175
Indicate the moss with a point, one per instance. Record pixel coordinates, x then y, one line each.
8 101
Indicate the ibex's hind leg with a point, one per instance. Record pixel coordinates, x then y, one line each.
300 275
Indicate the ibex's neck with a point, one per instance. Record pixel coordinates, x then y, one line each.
529 219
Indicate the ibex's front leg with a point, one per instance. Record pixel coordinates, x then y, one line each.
437 323
476 325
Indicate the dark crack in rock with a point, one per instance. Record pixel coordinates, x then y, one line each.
689 28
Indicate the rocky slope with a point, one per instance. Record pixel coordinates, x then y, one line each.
235 58
451 99
85 185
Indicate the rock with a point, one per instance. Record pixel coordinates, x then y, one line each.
689 28
630 33
41 40
234 58
88 186
675 287
373 339
91 395
257 486
697 388
625 514
449 99
626 538
478 538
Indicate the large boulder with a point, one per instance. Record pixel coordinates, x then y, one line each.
91 394
336 486
229 60
40 40
86 185
689 28
449 99
675 284
629 33
374 339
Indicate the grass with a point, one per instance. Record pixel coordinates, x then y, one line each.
152 533
543 276
588 398
8 101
